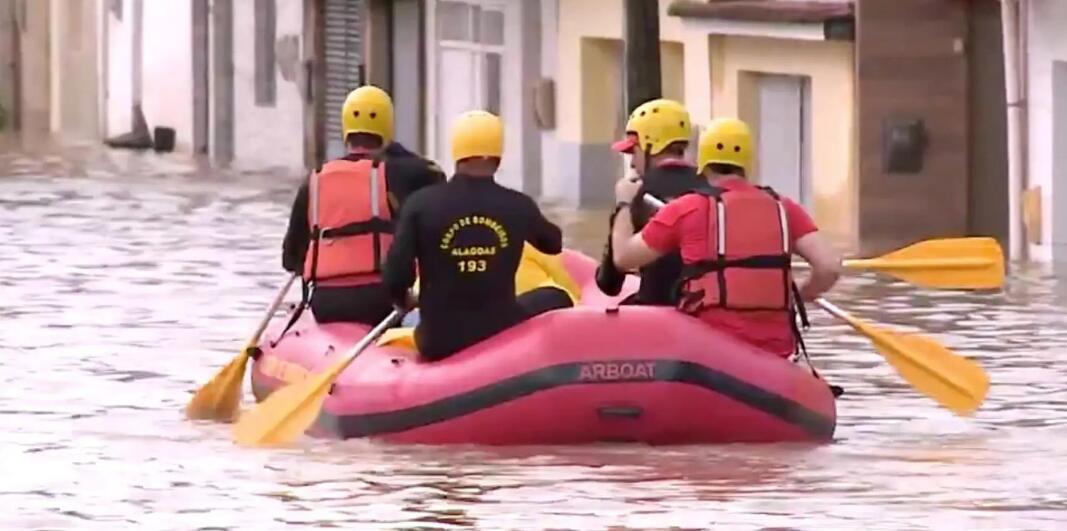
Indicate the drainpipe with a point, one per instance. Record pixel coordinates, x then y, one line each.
1015 108
1024 112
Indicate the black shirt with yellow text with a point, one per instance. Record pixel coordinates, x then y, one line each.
466 236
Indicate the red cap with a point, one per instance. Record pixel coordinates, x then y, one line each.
625 145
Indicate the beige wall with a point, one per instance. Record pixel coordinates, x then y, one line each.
602 81
59 64
73 94
600 90
830 67
684 58
708 75
35 66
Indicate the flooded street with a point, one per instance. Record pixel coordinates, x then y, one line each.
126 280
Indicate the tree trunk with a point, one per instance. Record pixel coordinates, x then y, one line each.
642 52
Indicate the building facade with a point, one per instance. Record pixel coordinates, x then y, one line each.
785 71
443 57
48 67
887 119
554 71
224 75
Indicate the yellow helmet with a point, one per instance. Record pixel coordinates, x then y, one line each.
654 125
726 141
368 109
477 134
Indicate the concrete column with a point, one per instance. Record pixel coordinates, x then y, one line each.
378 43
407 72
530 52
35 75
8 66
222 32
73 66
201 89
643 78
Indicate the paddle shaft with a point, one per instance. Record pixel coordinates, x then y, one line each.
273 308
371 337
909 264
832 309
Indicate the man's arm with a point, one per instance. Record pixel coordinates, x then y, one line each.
297 234
398 272
825 265
545 236
810 245
633 251
434 173
630 250
608 277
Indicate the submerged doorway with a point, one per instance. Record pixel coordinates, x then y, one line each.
783 132
473 65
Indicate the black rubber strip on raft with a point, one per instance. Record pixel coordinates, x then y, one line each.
778 406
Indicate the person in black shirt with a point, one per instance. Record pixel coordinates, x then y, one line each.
356 295
467 238
657 134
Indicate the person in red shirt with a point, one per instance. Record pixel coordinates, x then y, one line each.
736 241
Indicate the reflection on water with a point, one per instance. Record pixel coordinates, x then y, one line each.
128 279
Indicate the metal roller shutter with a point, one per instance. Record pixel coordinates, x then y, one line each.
344 64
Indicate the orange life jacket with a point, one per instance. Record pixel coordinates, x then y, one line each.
746 266
351 224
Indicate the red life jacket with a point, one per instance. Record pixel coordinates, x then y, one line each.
746 266
351 223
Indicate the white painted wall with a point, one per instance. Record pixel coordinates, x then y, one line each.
264 136
168 68
1048 42
267 135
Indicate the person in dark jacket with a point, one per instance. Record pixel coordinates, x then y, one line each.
339 254
657 134
466 237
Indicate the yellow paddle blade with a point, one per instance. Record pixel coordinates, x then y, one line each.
955 382
950 263
220 398
288 412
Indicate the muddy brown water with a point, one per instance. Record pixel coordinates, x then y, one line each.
127 279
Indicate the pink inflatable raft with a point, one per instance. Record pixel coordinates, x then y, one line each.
598 372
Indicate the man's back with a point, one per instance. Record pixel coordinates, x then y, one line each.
469 236
470 243
685 223
405 175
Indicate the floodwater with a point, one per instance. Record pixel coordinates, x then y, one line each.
127 279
